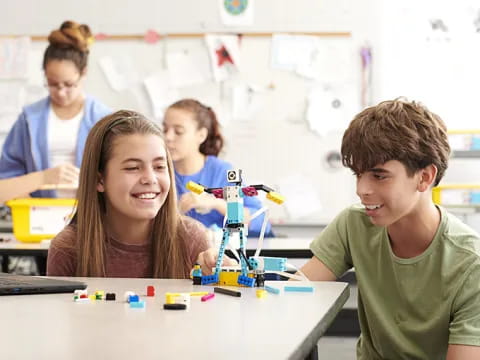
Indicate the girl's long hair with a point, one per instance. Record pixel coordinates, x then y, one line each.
169 252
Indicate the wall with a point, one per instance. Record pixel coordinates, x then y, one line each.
274 146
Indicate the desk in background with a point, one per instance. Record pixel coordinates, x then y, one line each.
291 248
285 326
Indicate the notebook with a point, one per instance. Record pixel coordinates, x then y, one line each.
11 284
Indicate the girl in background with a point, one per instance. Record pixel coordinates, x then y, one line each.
51 133
127 222
192 134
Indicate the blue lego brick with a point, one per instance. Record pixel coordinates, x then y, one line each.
298 288
133 298
475 143
275 264
138 304
209 279
475 197
235 212
245 280
272 289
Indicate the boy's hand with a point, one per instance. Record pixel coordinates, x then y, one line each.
208 258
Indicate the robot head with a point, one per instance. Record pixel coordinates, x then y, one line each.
234 176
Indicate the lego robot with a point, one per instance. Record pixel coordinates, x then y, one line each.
253 269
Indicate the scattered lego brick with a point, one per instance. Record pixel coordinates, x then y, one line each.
150 290
110 297
261 293
174 306
298 288
227 291
207 297
272 289
137 304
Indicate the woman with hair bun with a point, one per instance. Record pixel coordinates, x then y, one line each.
193 137
49 136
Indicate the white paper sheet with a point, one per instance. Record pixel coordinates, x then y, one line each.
14 53
119 71
330 108
301 196
188 69
160 92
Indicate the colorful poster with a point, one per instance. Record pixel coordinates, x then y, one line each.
236 12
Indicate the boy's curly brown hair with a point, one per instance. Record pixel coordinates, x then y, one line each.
396 130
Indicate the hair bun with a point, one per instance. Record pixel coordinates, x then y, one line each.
72 34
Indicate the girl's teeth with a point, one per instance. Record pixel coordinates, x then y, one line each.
146 196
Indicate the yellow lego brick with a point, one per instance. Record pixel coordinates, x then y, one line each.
198 293
170 297
230 277
92 297
194 187
275 197
261 293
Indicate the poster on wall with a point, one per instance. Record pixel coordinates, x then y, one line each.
236 12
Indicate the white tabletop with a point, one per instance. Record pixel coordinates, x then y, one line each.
284 326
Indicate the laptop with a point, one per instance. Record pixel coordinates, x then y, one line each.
11 284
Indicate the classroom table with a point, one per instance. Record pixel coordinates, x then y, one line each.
283 326
291 248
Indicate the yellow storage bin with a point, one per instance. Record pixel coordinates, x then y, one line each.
36 219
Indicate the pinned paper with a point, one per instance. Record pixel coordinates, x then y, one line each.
160 92
330 108
187 69
245 105
119 72
14 57
302 196
292 52
224 52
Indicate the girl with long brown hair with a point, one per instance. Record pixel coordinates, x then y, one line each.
126 223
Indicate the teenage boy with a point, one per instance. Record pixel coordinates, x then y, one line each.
417 266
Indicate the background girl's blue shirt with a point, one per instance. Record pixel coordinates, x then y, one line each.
214 175
25 149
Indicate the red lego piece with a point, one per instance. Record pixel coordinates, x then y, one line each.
150 290
250 191
218 193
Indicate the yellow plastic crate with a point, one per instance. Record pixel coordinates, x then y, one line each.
36 219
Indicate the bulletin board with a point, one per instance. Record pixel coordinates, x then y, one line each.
283 127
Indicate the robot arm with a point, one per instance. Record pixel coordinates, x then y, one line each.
198 189
252 190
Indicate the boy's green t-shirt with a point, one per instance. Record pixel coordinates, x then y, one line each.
408 308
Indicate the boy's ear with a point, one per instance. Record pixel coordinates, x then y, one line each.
100 186
427 177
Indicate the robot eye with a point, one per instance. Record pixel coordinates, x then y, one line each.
231 175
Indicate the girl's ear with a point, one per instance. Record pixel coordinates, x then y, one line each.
202 135
84 72
100 186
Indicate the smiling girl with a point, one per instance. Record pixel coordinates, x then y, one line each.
126 223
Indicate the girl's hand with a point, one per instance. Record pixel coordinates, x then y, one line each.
62 174
208 258
203 203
